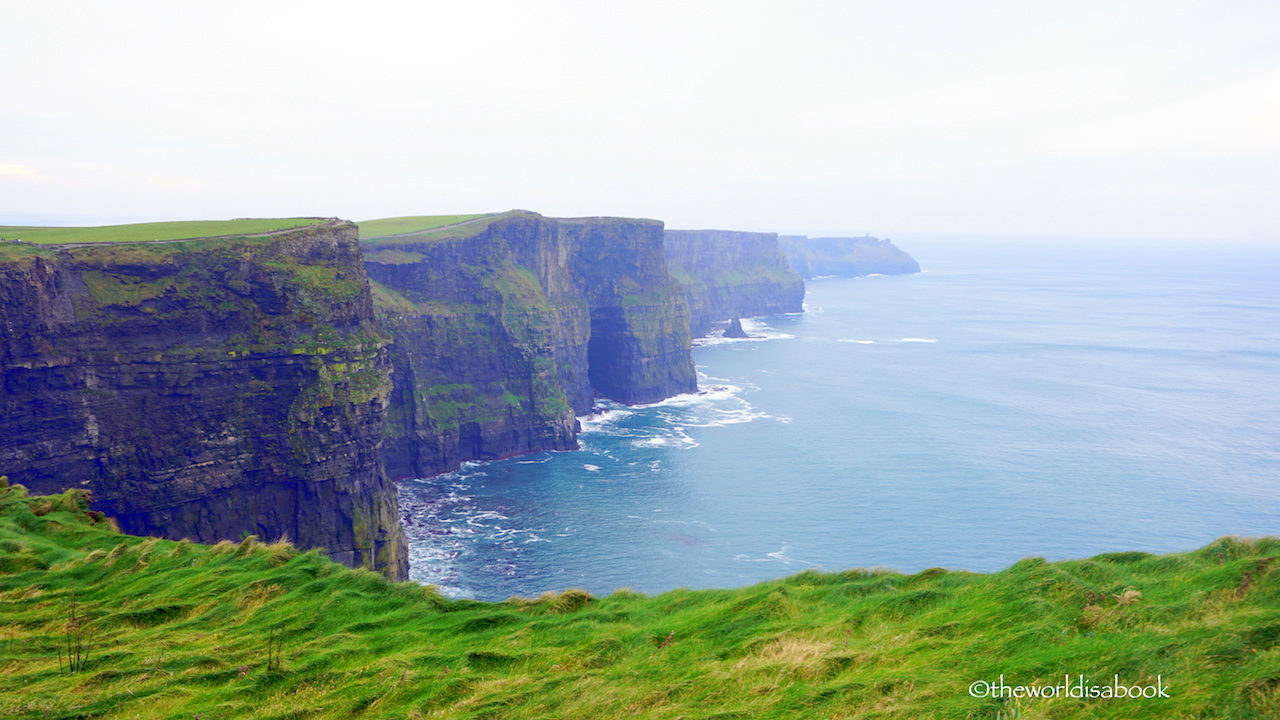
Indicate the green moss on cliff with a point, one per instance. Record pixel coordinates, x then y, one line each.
386 300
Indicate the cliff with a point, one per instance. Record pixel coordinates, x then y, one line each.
845 256
507 326
728 274
204 389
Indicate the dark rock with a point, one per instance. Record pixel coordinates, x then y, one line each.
735 330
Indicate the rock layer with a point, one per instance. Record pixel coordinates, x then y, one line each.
204 389
507 327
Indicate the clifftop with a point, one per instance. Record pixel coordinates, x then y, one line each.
203 388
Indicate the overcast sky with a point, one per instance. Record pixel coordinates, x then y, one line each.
1006 117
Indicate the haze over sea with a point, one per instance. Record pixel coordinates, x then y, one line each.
1010 401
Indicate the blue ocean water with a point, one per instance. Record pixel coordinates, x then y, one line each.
1007 402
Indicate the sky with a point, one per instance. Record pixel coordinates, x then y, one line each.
1007 118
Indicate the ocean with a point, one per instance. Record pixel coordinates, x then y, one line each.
1056 401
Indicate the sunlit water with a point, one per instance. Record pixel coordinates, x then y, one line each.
997 406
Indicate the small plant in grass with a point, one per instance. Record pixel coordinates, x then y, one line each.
275 651
77 641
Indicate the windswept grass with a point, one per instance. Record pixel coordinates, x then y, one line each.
410 224
143 232
250 630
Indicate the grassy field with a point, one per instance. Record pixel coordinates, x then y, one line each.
142 232
94 624
410 224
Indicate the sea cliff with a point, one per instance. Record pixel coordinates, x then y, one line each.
204 389
845 256
507 326
726 274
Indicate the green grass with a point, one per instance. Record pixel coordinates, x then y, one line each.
410 224
250 630
465 229
142 232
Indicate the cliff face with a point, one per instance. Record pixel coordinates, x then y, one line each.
507 327
204 389
728 274
845 256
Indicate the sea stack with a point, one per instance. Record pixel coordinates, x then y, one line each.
735 330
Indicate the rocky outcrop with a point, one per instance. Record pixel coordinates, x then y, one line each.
845 256
727 274
204 389
506 327
735 330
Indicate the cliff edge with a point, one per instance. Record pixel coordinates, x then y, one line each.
206 388
507 326
726 274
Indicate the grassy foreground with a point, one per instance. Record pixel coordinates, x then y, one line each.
144 232
94 624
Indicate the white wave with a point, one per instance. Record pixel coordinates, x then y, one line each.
698 523
706 394
732 417
681 442
860 342
917 340
591 468
775 556
607 415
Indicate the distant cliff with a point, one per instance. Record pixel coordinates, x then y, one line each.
204 389
845 256
506 326
727 274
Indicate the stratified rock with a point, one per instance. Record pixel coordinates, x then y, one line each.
726 274
508 326
845 256
205 389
